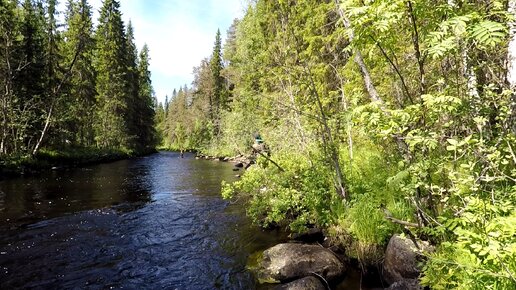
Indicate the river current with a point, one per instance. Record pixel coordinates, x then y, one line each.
156 222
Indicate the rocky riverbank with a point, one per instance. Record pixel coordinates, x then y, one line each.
310 262
296 266
241 162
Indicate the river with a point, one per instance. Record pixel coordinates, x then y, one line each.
155 222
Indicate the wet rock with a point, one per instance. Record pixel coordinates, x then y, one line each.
307 283
403 258
290 261
249 164
313 235
225 159
407 284
236 169
239 165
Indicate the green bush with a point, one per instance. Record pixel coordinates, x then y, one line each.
303 195
300 195
483 253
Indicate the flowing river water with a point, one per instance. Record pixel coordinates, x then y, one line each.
156 222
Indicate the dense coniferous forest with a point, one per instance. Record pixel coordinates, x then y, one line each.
67 85
385 116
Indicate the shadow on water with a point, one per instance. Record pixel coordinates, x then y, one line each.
152 222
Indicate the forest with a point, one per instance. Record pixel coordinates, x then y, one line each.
385 116
67 86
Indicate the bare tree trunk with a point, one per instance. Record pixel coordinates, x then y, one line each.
330 146
45 130
511 63
371 90
511 52
359 60
471 81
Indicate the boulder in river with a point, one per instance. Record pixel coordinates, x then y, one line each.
403 259
285 262
307 283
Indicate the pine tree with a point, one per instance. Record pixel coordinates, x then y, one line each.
111 82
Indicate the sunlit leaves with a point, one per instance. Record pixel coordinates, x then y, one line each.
488 33
457 31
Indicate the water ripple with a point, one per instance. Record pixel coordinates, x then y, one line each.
148 223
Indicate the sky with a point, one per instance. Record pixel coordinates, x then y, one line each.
179 33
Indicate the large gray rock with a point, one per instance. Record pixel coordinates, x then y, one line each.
285 262
307 283
403 259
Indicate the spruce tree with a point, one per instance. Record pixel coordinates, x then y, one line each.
80 93
30 79
216 66
146 103
10 59
132 120
54 78
111 82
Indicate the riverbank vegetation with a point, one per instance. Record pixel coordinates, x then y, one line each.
70 88
386 116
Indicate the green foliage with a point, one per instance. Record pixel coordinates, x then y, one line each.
403 103
63 88
296 198
484 253
76 110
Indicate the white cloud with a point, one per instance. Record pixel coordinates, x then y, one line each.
179 35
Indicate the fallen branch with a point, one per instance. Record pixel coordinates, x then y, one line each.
389 217
272 161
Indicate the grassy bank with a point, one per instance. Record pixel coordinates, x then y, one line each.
47 159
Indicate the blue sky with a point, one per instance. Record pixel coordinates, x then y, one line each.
180 33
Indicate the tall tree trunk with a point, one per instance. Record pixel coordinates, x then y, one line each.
511 63
359 60
417 50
